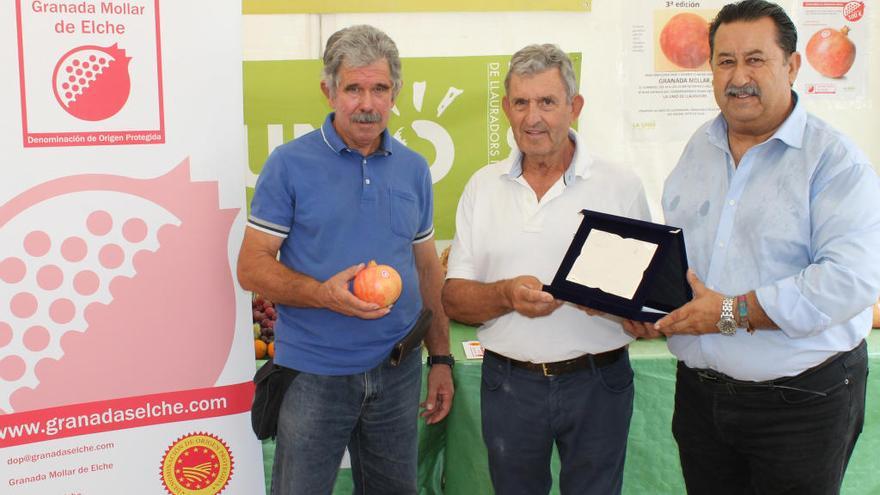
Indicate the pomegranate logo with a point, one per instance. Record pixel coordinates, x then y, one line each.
198 463
92 82
113 287
853 11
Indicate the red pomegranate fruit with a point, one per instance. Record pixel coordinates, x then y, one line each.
92 82
831 52
378 284
685 40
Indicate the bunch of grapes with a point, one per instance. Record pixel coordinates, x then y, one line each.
264 316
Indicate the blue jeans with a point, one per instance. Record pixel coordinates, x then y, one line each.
374 413
796 438
586 413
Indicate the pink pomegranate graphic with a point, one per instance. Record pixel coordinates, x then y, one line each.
113 287
92 82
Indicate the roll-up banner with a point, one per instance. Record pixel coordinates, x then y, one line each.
125 341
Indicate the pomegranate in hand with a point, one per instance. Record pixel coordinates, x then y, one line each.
831 52
378 284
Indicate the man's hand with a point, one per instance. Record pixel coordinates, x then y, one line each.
438 400
640 329
525 296
589 311
335 296
696 317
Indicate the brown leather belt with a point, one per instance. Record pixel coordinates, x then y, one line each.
563 367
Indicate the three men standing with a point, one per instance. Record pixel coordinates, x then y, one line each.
781 216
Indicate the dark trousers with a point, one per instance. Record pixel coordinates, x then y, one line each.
787 436
585 413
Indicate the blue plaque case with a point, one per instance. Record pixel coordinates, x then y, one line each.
663 287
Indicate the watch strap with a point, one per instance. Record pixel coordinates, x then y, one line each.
447 359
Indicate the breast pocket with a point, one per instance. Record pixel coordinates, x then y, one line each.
404 214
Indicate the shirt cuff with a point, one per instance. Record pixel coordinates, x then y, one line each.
795 316
424 236
268 227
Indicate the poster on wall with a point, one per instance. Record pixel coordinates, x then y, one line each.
126 350
449 111
324 7
833 39
668 88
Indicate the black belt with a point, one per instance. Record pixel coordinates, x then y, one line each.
567 366
712 377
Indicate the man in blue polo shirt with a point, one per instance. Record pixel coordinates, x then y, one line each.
324 204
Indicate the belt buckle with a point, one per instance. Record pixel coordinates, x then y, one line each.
706 376
546 370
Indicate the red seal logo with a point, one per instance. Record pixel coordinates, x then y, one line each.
196 464
92 82
853 11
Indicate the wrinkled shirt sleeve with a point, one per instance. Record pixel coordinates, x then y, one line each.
843 277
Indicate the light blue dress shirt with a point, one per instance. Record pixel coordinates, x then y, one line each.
798 221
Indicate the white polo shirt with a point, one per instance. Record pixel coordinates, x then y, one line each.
503 231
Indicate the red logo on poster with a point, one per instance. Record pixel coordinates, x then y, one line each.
198 463
91 82
103 62
853 11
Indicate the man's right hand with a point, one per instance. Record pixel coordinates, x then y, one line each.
526 297
335 296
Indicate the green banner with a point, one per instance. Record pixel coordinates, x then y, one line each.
322 6
449 111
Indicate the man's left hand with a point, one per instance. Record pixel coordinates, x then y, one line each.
696 317
438 400
640 329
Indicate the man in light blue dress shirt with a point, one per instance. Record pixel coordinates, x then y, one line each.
781 217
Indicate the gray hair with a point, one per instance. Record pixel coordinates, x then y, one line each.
359 46
535 59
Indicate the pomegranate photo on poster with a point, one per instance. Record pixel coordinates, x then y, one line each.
834 43
684 41
831 52
681 39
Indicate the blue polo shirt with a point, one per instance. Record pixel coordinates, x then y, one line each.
336 208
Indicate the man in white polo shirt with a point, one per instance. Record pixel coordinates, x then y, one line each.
551 373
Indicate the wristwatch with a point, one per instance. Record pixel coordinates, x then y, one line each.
448 360
727 325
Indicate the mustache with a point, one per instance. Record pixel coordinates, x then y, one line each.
747 90
366 117
537 128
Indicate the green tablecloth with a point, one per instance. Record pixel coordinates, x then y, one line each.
453 457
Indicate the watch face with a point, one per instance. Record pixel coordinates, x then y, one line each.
727 326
